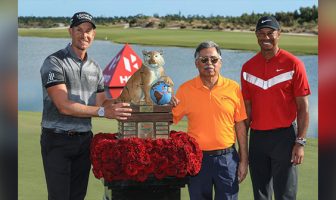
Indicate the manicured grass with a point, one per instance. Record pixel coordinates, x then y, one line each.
32 184
297 44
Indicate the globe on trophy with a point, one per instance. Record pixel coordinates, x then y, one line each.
161 93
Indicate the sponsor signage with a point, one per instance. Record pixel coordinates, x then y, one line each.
120 69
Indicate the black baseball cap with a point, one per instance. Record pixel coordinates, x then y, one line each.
81 17
267 22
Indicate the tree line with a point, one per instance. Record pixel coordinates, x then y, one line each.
302 20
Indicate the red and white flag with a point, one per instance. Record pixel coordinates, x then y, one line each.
120 69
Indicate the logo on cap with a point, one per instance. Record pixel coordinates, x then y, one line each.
84 16
267 20
81 17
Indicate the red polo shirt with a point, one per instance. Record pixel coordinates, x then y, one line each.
271 86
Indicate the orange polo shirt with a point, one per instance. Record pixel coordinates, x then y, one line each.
211 113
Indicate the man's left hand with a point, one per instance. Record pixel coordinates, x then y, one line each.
297 154
242 170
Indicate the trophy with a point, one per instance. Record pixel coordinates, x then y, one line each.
149 91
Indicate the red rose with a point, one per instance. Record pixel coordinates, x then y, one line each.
136 158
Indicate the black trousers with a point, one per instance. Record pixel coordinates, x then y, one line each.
66 162
218 174
270 164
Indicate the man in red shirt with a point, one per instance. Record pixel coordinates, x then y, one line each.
275 90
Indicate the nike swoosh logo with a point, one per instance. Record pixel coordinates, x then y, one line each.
278 70
267 20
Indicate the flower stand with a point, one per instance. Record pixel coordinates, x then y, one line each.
168 188
145 160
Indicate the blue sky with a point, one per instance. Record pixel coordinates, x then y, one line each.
110 8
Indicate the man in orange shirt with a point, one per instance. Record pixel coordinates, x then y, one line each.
215 110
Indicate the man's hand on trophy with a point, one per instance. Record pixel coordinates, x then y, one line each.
174 101
119 111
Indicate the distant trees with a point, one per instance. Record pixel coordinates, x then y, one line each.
307 14
300 20
45 22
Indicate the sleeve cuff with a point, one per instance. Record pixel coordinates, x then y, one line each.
53 84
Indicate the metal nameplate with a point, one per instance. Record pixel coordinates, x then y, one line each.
128 136
162 124
161 136
145 129
162 132
146 108
129 128
129 132
129 123
162 128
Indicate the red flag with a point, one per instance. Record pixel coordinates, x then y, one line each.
120 69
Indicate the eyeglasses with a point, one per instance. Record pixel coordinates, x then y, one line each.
213 59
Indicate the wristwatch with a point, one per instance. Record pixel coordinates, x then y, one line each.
301 141
101 112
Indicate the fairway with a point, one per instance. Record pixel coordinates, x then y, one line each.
31 176
297 44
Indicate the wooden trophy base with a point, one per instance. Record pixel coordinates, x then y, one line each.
147 121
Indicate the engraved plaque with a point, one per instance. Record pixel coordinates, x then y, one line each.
129 136
161 128
133 132
129 124
165 132
146 108
161 136
145 129
129 128
162 124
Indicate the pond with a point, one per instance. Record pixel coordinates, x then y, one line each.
179 66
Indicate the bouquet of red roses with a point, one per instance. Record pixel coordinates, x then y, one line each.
136 158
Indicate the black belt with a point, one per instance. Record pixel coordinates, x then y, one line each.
63 132
219 151
272 130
